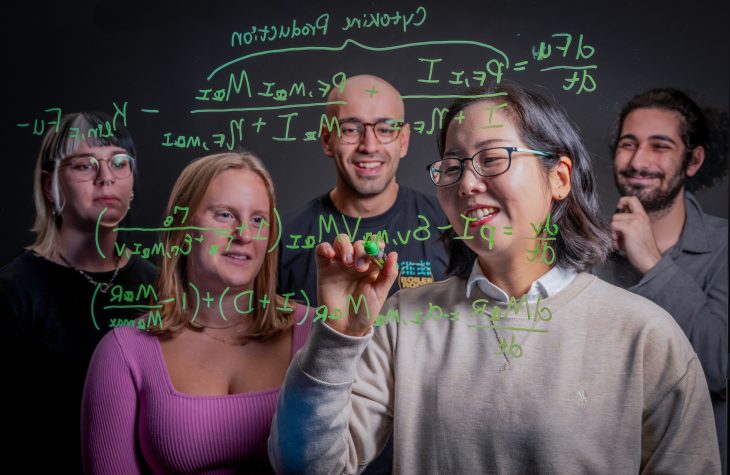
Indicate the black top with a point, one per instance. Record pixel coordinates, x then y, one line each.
48 339
409 227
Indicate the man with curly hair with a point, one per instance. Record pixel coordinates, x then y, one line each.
666 248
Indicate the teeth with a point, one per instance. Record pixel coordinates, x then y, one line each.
368 164
481 212
237 256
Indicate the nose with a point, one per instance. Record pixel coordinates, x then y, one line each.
641 157
104 174
471 182
369 143
243 234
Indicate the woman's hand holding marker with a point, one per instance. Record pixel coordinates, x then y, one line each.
347 269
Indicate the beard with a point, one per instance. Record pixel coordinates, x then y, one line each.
653 198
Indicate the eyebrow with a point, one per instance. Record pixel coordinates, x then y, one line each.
356 119
91 154
214 207
479 145
663 138
220 205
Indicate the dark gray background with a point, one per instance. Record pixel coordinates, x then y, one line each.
83 55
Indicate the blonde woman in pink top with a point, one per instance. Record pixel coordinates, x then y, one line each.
197 392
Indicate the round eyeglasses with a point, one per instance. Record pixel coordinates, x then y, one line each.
488 162
86 167
386 130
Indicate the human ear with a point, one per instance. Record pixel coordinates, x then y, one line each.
325 136
47 184
405 139
696 161
560 178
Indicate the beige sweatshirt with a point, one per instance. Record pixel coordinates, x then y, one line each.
605 383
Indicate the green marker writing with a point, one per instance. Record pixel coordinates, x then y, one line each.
376 254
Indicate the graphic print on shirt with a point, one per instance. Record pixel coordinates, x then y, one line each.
412 274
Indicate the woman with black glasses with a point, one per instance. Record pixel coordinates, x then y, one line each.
54 297
521 362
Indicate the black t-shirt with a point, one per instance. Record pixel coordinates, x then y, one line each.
48 338
409 227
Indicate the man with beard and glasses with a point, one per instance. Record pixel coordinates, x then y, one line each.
666 248
366 137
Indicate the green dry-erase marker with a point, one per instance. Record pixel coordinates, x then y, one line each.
376 254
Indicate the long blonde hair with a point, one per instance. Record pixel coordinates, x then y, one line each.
188 191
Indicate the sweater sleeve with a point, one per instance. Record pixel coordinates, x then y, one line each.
678 430
702 314
334 413
109 412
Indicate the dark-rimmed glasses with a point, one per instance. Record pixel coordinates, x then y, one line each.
488 162
86 167
386 130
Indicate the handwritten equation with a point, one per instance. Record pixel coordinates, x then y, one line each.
545 234
145 298
262 96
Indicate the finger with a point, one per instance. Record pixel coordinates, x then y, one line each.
390 269
324 253
615 222
630 204
620 225
615 239
388 273
623 218
362 260
617 235
344 250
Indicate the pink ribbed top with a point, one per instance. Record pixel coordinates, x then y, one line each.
133 420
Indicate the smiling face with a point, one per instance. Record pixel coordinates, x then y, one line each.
366 168
649 160
516 198
233 198
85 200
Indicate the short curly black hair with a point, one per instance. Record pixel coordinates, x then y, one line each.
707 128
